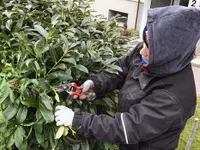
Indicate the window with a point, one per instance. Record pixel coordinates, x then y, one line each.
160 3
184 2
122 19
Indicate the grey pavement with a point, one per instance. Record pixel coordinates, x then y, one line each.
196 61
196 71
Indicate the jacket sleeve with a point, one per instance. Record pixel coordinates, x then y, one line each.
105 82
146 120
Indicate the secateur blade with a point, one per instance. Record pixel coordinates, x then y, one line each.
63 87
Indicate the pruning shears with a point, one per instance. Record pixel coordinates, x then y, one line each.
70 88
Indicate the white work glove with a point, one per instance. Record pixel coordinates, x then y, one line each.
63 116
88 86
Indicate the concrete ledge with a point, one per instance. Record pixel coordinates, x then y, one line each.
196 61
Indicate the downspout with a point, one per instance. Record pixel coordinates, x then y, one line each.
172 2
136 18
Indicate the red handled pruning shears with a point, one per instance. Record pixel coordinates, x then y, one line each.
70 88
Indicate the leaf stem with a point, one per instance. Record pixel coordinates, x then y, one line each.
56 63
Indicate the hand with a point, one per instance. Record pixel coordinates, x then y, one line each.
88 86
63 116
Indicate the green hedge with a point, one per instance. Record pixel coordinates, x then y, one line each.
44 43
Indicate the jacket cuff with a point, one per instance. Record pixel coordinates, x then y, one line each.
97 86
76 123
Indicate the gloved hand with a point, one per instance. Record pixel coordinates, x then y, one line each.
63 116
88 86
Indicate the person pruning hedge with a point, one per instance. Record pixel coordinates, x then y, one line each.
156 88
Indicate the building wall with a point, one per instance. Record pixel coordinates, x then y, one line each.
124 6
198 48
129 7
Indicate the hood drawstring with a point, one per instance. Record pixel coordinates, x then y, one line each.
144 68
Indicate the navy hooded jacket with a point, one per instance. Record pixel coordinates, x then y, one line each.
154 105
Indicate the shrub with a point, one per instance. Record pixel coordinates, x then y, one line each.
44 43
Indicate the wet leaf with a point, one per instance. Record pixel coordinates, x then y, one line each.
82 68
41 30
60 132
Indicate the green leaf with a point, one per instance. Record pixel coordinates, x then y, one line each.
76 147
86 32
72 131
3 83
12 96
63 24
61 66
89 43
19 24
66 131
46 101
82 68
39 138
45 49
52 33
46 113
7 13
69 60
29 102
52 140
85 145
53 54
24 145
70 34
66 42
18 136
83 46
35 81
4 93
40 47
115 67
9 24
109 102
24 83
110 61
21 36
11 141
68 73
43 84
10 112
41 30
4 37
73 30
56 95
28 61
22 113
60 132
54 19
38 128
70 4
73 45
37 66
60 75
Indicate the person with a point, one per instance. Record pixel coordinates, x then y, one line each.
156 88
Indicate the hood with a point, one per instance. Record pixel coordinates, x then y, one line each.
173 32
